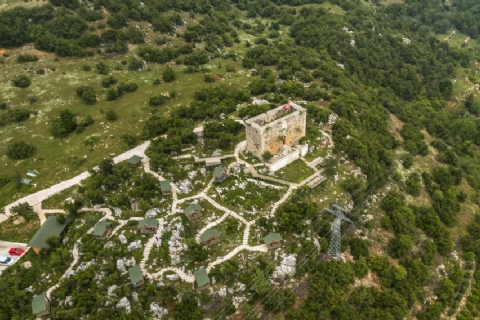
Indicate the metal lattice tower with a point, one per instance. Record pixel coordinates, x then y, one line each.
334 248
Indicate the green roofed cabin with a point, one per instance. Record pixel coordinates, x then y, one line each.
148 225
193 211
165 187
135 161
50 228
273 240
102 230
201 279
220 174
41 305
210 237
136 276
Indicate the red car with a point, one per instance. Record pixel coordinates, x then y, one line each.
16 251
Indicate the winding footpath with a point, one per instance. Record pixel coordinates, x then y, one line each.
36 199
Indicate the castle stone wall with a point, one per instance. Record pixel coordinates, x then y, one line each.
278 127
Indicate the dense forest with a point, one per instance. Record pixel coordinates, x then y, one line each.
374 61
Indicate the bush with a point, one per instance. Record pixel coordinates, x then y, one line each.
112 94
20 150
157 100
127 87
108 81
86 67
64 125
21 81
209 78
111 115
102 68
267 156
229 68
168 75
87 94
26 58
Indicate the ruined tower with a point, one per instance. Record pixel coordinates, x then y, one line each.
276 130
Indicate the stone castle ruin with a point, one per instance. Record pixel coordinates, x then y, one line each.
278 132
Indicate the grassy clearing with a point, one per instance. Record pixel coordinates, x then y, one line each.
295 172
333 8
9 4
58 159
19 229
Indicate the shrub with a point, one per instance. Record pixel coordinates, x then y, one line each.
102 68
127 87
157 100
87 121
21 81
20 150
111 115
209 78
229 68
86 67
130 139
108 81
64 125
26 58
135 64
267 156
168 75
87 94
112 94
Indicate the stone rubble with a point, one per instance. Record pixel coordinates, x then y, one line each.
157 311
124 304
286 267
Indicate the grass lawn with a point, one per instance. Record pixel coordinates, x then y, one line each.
19 229
58 159
333 8
295 171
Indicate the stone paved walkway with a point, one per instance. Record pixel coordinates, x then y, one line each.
36 199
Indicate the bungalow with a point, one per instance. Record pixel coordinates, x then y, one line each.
166 187
210 237
148 225
102 230
41 305
273 241
210 162
135 161
220 174
202 280
50 228
193 211
136 276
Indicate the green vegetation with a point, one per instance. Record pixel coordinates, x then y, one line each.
366 63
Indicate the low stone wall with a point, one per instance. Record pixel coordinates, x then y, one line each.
282 162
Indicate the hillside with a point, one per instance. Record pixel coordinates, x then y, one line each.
390 91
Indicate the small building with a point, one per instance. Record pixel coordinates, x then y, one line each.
135 161
148 225
50 228
41 305
220 174
210 237
202 280
273 241
103 229
136 276
210 162
165 187
193 211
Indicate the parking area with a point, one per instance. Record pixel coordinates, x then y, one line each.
5 247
